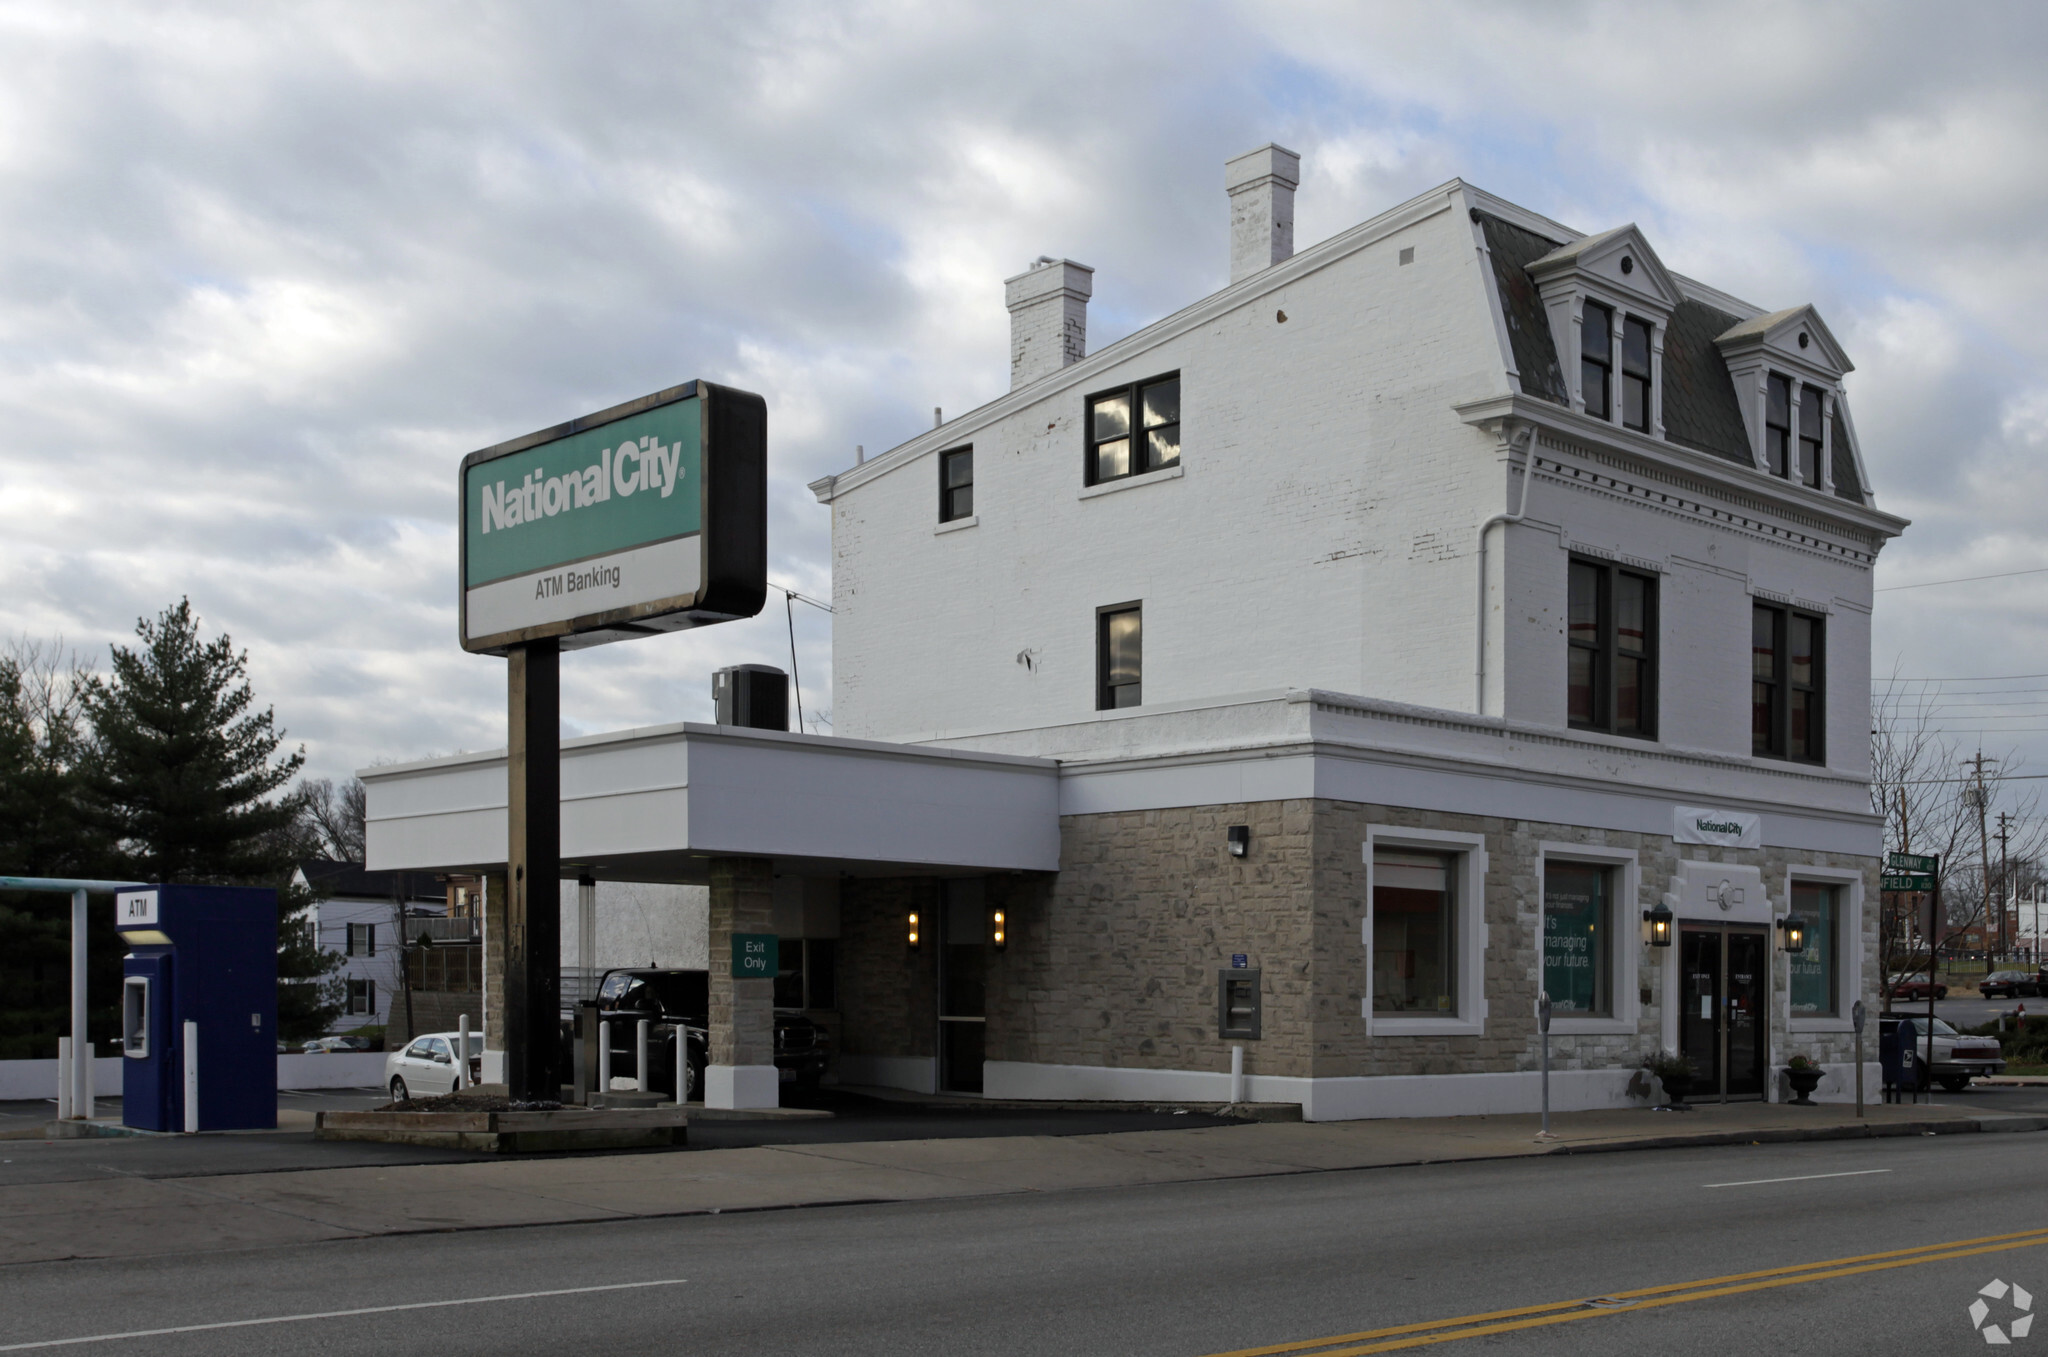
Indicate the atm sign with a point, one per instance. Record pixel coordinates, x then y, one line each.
134 908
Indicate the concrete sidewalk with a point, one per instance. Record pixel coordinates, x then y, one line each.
132 1216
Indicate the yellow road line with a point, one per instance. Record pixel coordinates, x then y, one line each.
1642 1298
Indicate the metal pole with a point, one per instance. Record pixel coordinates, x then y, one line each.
1236 1074
586 938
641 1082
64 1078
1933 936
1543 1026
462 1050
191 1078
533 904
81 1042
604 1057
682 1066
1856 1019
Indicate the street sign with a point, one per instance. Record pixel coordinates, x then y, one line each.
1911 881
755 956
1911 862
645 518
1239 960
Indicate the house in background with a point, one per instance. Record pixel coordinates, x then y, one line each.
357 915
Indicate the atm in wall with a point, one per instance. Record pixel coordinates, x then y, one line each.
198 1008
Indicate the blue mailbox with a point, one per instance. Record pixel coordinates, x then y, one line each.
198 1007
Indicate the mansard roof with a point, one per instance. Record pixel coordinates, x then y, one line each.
1700 409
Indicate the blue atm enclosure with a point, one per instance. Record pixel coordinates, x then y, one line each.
204 955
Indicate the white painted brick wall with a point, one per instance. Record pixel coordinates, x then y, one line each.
1322 535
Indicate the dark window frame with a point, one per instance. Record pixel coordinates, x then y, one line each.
1138 461
1776 740
951 510
1605 364
1106 694
1607 655
1777 436
1811 399
1631 377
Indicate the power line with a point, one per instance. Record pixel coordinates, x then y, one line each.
1967 579
1965 678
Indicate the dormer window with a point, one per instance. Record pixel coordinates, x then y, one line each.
1596 360
1811 412
1635 373
1778 426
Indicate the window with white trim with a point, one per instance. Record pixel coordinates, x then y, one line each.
1578 921
1414 932
1816 972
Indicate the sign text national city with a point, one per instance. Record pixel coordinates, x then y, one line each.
644 518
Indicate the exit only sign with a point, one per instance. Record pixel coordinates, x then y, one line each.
755 956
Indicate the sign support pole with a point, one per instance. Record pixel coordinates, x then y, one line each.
81 1042
533 896
1933 954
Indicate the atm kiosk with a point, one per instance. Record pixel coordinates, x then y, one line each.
198 1007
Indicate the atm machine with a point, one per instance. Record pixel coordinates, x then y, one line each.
198 1008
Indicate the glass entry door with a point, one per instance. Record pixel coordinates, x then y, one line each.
963 986
1723 973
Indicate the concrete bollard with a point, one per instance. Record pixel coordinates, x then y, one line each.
191 1078
604 1057
1236 1075
641 1082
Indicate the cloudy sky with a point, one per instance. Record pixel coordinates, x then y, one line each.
268 272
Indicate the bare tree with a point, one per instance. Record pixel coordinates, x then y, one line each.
1934 800
335 816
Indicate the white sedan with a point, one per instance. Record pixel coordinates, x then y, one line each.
425 1067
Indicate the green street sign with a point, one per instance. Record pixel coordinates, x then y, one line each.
1911 862
1915 881
755 956
647 517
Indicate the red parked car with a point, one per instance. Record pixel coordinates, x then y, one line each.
1915 987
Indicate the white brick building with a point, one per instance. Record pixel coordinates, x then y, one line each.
1326 670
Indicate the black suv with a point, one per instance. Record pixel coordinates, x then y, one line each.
676 1001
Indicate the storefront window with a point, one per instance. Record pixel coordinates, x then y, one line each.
1814 990
1413 967
1578 904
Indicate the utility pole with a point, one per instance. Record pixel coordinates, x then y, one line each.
2004 881
1975 796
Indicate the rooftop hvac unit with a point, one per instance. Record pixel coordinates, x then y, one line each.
755 695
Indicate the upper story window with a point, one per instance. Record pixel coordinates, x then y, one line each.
956 484
362 940
1610 675
1787 683
1778 426
1134 430
1635 374
1119 656
1811 410
1596 360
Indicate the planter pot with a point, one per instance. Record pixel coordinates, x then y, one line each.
1803 1083
1676 1086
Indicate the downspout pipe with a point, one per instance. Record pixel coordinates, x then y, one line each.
1525 436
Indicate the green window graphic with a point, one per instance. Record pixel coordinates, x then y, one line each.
1576 909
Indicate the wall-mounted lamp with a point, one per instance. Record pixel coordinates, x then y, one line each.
913 929
1000 932
1657 925
1792 934
1240 840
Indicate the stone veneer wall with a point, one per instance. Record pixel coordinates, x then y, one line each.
1113 961
887 994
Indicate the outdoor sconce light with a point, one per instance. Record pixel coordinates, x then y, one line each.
913 930
1657 925
1792 934
1001 932
1240 840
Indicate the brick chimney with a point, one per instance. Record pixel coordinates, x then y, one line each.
1261 187
1048 317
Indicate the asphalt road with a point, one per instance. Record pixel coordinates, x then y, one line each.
1180 1270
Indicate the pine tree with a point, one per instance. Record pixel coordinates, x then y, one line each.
183 775
184 768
